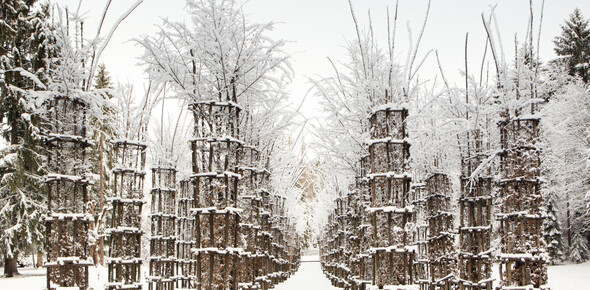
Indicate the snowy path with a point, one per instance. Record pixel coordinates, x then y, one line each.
309 276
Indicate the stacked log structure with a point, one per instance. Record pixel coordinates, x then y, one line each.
254 198
391 211
293 248
523 256
359 239
250 199
336 252
368 241
442 259
186 265
274 243
216 216
421 274
126 203
278 246
475 218
345 242
362 266
67 220
163 232
238 238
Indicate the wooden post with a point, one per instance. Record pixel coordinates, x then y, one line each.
101 196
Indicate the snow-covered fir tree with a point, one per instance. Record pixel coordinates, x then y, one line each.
579 249
102 80
566 153
23 71
552 233
573 45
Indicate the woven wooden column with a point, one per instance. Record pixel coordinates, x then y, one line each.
442 256
215 154
67 220
475 218
391 211
126 200
523 257
163 233
421 273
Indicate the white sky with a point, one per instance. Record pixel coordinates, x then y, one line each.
319 28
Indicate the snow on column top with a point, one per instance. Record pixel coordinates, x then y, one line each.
164 177
129 153
214 119
388 121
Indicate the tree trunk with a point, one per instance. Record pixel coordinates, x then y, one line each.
94 253
101 250
39 258
10 268
101 195
568 220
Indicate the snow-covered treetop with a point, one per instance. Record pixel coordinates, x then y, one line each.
73 60
371 79
217 55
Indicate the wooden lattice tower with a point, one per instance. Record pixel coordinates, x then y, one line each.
238 236
250 200
186 266
163 233
475 218
346 240
271 244
126 201
442 259
67 221
293 248
360 265
365 232
328 248
274 224
279 246
421 275
391 211
523 250
215 155
264 241
336 260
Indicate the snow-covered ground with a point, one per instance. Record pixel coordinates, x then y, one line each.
35 279
309 276
29 278
571 276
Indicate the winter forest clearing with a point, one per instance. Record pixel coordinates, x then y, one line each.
455 159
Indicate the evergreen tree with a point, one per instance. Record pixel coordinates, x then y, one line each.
102 80
23 51
579 249
574 45
552 234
